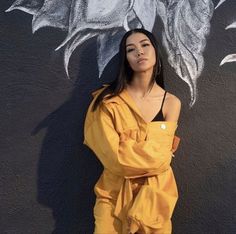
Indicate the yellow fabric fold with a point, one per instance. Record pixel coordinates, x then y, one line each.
150 209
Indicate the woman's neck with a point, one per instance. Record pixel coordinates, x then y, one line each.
141 82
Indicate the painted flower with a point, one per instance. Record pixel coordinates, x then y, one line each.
186 24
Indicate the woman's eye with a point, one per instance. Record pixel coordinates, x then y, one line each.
144 45
130 50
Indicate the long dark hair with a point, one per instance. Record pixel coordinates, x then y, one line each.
125 72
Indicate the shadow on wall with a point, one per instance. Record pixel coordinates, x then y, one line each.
67 169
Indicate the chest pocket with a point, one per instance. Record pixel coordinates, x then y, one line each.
161 133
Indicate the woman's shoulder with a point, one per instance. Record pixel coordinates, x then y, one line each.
108 101
172 99
172 107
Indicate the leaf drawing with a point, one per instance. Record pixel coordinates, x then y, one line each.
233 25
228 59
186 25
28 6
220 3
231 57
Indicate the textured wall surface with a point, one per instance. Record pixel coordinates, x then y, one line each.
46 173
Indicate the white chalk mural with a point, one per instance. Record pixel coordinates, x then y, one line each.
219 3
186 25
231 57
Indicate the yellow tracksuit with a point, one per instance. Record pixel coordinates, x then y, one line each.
136 192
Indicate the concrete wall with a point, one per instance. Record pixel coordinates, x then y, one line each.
47 175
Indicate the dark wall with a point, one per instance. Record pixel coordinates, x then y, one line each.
46 173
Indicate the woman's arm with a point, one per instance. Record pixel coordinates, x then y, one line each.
172 108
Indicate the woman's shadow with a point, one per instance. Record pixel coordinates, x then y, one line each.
67 169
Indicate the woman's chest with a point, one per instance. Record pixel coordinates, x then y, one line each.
149 108
131 125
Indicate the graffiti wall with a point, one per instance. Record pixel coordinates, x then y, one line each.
55 53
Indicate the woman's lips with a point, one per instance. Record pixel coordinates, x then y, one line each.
141 60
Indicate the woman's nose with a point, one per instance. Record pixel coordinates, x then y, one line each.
139 51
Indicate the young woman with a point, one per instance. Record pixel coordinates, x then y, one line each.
130 126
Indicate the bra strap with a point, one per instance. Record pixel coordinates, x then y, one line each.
163 100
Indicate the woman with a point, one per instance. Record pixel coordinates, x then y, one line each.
130 126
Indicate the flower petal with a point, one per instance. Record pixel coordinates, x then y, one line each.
73 44
54 14
28 6
219 3
233 25
108 47
146 17
228 59
83 16
186 25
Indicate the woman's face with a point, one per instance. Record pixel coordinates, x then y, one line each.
140 52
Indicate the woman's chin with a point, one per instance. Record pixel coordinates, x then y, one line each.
142 69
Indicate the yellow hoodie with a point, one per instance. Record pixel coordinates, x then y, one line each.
137 189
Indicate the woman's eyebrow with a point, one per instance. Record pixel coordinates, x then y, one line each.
140 41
